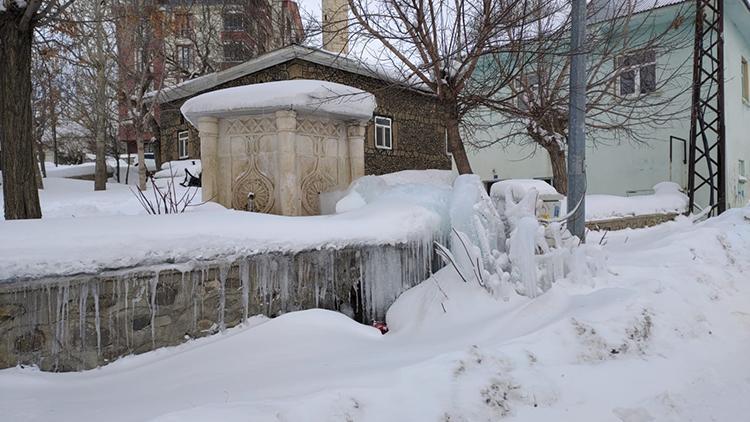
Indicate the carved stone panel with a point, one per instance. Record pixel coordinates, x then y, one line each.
251 150
317 152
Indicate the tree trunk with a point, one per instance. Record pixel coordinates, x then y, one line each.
127 170
156 131
16 137
38 174
54 138
141 161
456 146
100 168
42 158
559 168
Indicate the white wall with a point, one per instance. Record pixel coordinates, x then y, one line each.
736 46
613 166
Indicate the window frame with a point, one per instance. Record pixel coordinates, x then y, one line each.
382 126
234 14
184 24
745 80
237 48
636 68
182 144
185 61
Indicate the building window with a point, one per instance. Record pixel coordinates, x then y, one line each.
183 25
637 73
383 132
138 63
528 90
234 21
745 81
185 56
182 144
234 52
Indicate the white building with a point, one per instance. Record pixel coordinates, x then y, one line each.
626 168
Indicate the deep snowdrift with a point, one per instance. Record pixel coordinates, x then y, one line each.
663 335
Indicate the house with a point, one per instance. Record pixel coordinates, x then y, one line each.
405 131
169 41
623 166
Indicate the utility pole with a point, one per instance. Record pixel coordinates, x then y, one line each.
577 123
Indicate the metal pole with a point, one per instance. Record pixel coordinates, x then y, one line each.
577 122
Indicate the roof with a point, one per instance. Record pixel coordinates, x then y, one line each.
302 95
273 58
608 9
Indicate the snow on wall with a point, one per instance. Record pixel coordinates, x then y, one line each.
42 248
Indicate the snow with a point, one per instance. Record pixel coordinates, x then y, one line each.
662 335
177 169
428 188
302 95
667 198
420 177
36 248
72 198
519 187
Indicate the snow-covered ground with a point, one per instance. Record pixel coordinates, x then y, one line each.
666 199
73 198
662 334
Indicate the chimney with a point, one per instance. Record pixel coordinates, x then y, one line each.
336 26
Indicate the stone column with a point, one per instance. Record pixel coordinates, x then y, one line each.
287 188
356 135
208 130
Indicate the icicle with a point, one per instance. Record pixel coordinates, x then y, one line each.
523 253
195 278
223 270
82 299
283 273
97 323
128 325
153 284
245 281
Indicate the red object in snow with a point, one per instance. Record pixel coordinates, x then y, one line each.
380 325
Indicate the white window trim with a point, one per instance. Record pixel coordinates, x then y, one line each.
181 58
745 80
180 141
390 132
637 76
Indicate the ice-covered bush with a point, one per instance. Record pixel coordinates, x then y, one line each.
499 245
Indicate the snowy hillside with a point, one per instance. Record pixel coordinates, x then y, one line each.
662 334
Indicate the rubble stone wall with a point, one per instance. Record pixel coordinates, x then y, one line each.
81 322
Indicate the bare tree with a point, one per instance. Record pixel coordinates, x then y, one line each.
18 20
140 33
629 91
439 46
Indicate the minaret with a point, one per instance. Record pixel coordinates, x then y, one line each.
336 26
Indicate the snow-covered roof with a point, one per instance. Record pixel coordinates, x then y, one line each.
313 55
302 95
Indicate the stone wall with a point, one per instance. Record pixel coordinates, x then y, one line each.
634 222
80 322
418 132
